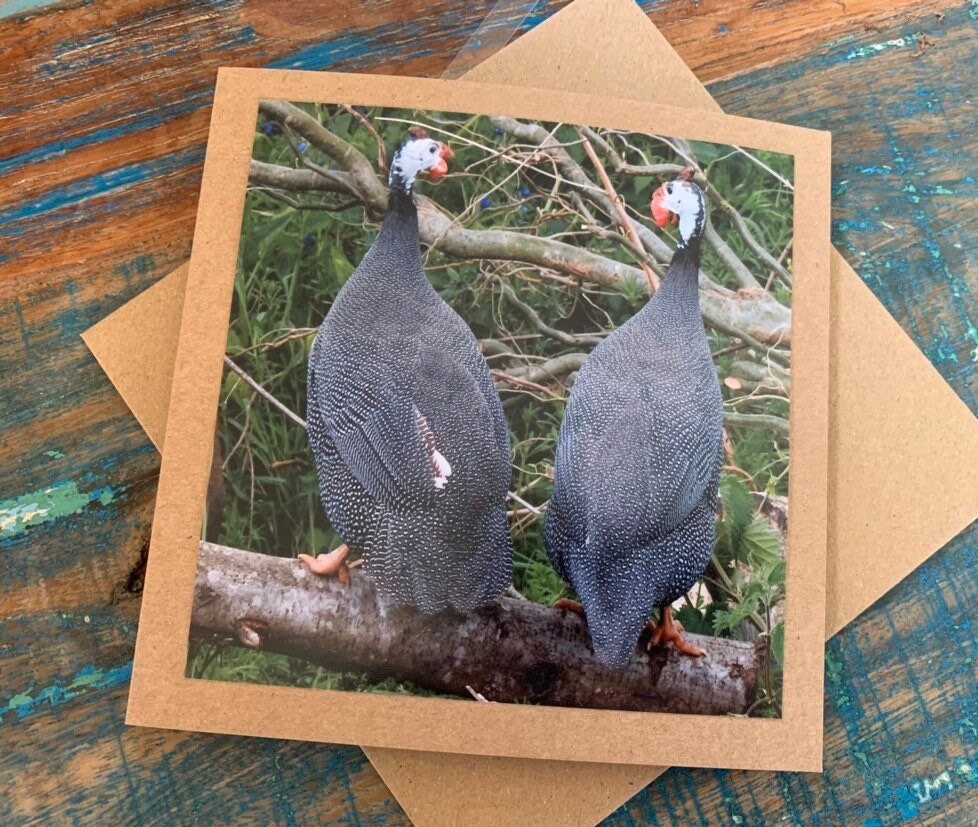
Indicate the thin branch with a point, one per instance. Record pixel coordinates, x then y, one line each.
298 420
298 180
766 168
623 220
553 369
529 506
381 149
741 226
534 318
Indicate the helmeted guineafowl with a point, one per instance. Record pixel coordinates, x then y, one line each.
406 425
631 524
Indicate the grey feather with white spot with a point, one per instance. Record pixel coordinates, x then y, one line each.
632 521
407 429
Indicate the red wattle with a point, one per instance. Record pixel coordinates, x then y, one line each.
660 213
439 170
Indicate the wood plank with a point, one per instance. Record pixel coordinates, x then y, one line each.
105 114
905 198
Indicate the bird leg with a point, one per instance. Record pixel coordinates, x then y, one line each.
668 630
570 606
330 565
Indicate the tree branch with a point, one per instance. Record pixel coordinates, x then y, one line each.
298 180
759 316
510 651
555 368
759 422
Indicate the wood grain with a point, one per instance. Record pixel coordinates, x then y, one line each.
104 114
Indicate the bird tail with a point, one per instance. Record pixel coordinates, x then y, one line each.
415 561
617 602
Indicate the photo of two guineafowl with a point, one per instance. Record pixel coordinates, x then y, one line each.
412 447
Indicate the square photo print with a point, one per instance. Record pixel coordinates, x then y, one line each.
510 411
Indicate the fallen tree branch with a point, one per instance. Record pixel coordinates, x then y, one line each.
758 316
510 651
555 368
757 422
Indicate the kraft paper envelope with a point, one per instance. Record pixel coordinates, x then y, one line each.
878 437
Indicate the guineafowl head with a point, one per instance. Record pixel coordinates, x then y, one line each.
681 202
419 155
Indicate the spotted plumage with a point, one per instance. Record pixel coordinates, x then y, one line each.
405 423
632 521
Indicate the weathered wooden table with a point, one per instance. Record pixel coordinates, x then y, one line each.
103 116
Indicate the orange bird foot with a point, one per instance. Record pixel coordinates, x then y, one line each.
671 631
330 565
570 606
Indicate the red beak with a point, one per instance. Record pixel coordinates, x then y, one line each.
660 214
440 170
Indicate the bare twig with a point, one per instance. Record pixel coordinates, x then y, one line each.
623 219
529 506
539 323
298 420
552 369
381 149
298 180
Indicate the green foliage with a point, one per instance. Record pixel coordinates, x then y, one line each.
293 261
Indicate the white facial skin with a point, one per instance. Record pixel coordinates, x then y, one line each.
685 199
416 156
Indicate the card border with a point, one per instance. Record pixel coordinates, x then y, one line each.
161 695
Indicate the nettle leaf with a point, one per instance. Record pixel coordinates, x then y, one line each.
738 511
762 543
695 621
728 620
777 644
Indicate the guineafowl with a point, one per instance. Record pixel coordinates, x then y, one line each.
405 423
632 521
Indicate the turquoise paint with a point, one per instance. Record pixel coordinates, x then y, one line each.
105 183
88 680
48 504
853 226
145 121
873 49
16 8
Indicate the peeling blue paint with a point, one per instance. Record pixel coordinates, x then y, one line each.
90 679
147 120
105 183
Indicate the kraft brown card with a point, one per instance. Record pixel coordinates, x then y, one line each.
557 689
440 788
